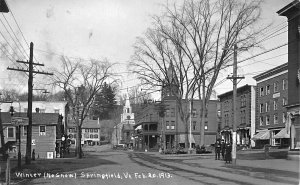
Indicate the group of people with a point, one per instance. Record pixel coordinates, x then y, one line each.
224 149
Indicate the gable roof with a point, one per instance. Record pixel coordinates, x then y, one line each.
37 118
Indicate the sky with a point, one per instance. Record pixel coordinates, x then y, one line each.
108 29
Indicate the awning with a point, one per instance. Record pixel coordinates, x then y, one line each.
138 127
282 134
182 138
261 135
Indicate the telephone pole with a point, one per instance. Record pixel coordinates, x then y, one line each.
234 78
30 88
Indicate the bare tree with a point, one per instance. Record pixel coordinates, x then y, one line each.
196 38
80 82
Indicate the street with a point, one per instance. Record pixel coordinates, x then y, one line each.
128 167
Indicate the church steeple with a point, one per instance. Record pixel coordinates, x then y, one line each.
127 110
170 84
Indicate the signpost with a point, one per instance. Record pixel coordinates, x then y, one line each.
18 122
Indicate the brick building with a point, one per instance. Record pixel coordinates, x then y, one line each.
271 114
154 130
245 114
292 12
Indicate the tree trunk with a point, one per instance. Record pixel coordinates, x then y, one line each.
79 149
186 135
202 122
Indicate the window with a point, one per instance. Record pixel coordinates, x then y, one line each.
42 130
194 113
91 130
243 116
95 130
243 101
25 130
261 120
268 91
261 91
284 84
85 135
167 113
56 111
275 87
128 110
10 132
261 108
275 104
172 125
283 117
267 106
91 136
268 120
284 101
194 125
87 130
172 112
96 136
167 125
206 125
275 119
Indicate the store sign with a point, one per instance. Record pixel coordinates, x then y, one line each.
276 95
19 121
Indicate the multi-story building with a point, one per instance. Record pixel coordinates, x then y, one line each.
291 11
169 129
271 113
90 132
245 111
44 133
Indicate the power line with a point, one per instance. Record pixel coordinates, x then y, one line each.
265 60
14 34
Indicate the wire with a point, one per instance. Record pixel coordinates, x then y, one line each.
265 60
14 34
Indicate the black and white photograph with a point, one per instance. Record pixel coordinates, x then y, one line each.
149 92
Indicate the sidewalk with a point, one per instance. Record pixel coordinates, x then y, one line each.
208 160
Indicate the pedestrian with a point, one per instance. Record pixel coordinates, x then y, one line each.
33 154
228 153
217 150
223 146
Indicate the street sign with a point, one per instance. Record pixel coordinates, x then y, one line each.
19 121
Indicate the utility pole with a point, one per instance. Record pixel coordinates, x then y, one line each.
30 88
234 78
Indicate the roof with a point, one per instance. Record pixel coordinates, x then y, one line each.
290 7
90 123
240 89
272 71
37 118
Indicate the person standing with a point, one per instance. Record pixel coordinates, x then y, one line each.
217 150
223 146
228 153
